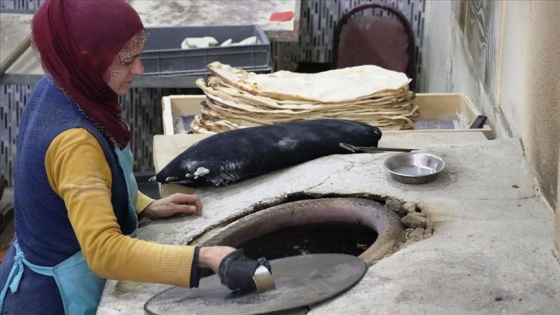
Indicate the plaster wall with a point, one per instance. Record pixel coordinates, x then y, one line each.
557 222
520 94
534 102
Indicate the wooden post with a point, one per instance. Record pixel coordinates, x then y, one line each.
18 51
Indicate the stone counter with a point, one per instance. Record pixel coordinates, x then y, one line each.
490 252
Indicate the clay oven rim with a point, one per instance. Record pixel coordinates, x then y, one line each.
386 223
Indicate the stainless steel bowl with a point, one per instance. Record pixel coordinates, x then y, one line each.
414 167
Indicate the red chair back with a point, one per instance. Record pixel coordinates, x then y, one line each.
386 41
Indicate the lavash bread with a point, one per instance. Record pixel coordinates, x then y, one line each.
236 98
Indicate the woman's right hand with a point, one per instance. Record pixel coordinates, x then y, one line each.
234 269
212 256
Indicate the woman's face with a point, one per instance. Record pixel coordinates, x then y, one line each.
125 67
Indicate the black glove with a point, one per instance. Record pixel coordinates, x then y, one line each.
236 270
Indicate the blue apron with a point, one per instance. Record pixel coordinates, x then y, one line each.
80 288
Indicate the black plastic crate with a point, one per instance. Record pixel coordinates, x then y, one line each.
163 54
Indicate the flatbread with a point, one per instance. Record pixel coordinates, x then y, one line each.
339 85
238 99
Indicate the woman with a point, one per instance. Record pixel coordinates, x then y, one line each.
76 199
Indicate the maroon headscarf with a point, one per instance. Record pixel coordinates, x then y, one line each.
77 41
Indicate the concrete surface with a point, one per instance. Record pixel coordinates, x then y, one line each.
14 27
514 73
222 12
491 250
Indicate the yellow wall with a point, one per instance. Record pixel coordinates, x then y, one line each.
523 97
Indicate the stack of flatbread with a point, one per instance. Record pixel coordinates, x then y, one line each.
236 98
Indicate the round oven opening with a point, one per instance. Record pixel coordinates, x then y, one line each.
349 226
315 238
354 226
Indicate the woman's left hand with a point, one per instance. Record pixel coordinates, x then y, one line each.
174 204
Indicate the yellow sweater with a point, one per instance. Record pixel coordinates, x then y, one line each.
79 174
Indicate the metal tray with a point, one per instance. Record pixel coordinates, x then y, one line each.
414 167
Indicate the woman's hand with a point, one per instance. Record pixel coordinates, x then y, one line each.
172 205
234 269
212 256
